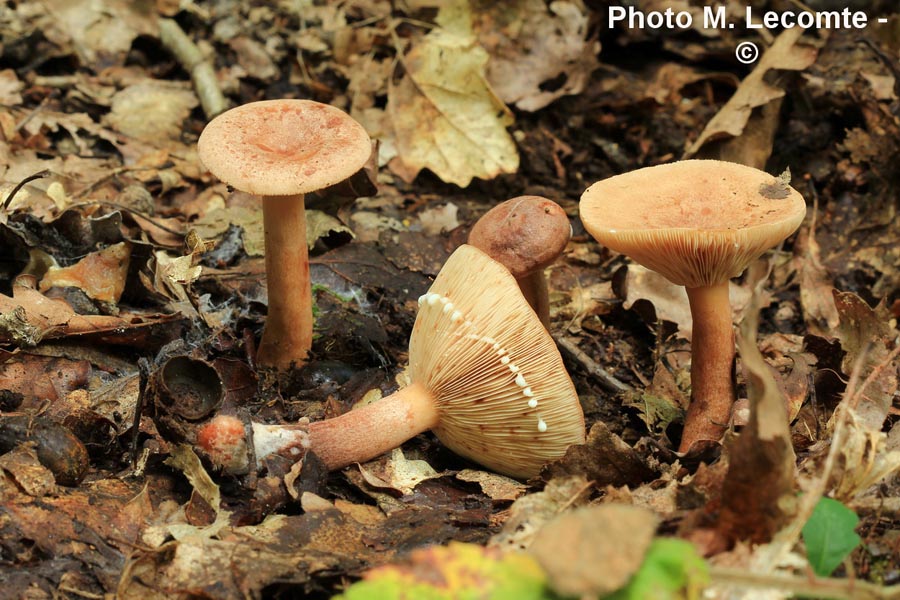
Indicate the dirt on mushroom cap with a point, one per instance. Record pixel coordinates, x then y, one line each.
697 222
283 147
506 399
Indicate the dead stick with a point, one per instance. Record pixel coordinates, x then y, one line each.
188 55
607 380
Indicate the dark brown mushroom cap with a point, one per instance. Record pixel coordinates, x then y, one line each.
526 233
283 147
504 397
697 222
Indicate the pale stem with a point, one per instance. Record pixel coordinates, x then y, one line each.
287 336
712 365
373 429
534 288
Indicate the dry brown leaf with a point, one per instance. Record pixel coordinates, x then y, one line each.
530 512
784 54
152 112
100 275
101 32
397 472
29 316
594 550
497 487
758 488
10 89
539 52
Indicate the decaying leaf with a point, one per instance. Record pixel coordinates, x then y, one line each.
101 33
498 487
151 112
866 335
784 54
444 115
397 473
539 52
458 571
758 490
100 275
592 551
603 459
530 512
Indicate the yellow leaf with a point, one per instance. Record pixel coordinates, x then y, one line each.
445 116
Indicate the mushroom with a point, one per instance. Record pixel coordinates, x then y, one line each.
698 223
525 234
223 440
485 375
281 150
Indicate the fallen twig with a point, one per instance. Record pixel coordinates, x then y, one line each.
607 380
188 55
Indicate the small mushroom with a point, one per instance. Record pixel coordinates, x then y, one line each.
282 150
525 234
486 378
698 223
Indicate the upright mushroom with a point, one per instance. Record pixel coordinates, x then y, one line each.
486 378
525 234
698 223
281 150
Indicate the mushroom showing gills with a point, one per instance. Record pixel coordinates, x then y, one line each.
486 378
525 234
698 223
281 150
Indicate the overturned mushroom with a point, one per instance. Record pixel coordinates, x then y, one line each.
698 223
282 150
486 378
525 234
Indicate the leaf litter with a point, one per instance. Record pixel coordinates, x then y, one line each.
129 253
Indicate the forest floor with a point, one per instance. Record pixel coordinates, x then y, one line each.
120 255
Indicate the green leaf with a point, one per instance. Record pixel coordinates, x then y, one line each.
672 570
830 535
455 572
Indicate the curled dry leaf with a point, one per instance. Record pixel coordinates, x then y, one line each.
759 485
101 275
784 54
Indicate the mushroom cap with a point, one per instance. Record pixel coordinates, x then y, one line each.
526 233
503 394
283 147
696 222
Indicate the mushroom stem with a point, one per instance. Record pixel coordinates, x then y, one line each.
366 432
534 288
712 365
287 336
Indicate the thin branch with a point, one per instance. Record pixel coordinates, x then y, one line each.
189 56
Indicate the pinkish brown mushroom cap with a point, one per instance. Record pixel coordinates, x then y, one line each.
503 394
283 147
525 234
696 222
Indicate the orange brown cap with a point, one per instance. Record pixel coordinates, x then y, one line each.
525 234
503 394
696 222
283 147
